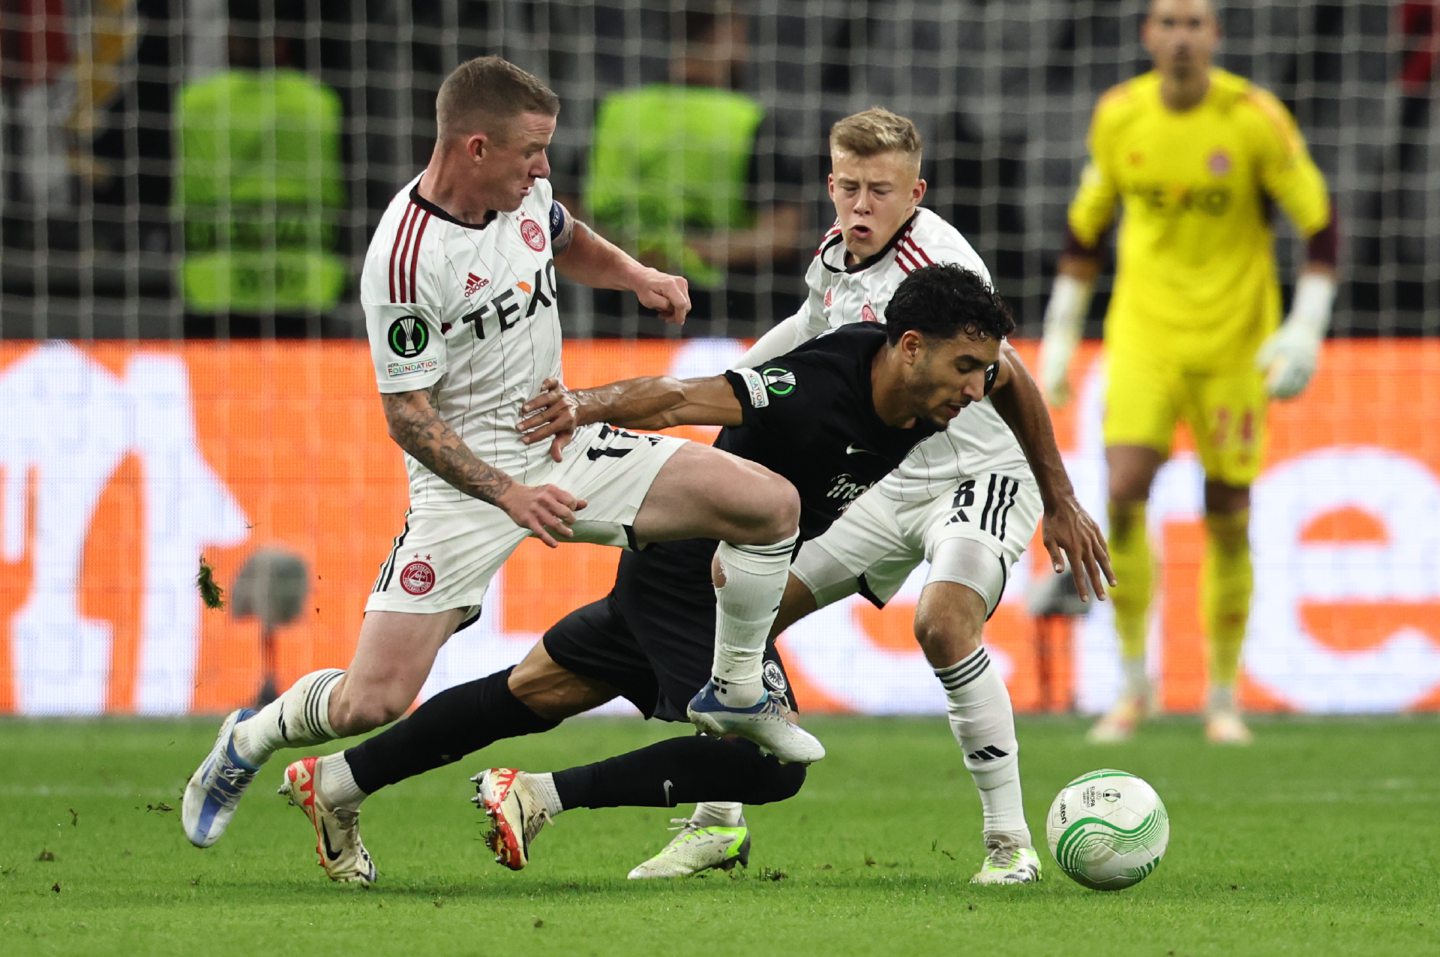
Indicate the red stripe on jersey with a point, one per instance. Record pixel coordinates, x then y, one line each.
833 232
906 259
412 214
415 253
909 242
395 248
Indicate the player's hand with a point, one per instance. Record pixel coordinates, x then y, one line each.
1288 359
553 414
1070 531
666 294
548 512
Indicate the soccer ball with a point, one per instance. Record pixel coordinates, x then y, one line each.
1107 829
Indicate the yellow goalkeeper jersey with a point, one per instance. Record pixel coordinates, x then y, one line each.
1195 278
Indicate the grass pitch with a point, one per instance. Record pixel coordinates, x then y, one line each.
1320 839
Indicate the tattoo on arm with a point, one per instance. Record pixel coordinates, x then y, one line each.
418 429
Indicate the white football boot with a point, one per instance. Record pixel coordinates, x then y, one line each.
337 829
1226 727
1119 724
215 789
696 849
1007 863
766 723
516 810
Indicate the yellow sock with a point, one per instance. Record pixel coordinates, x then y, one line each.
1226 583
1134 568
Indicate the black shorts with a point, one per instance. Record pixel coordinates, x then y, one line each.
653 637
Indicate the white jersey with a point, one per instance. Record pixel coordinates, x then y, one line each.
469 312
978 440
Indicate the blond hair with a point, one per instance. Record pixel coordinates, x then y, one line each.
483 94
875 131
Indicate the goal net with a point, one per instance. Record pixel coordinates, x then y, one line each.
152 418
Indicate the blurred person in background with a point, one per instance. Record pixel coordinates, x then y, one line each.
1196 157
260 189
686 175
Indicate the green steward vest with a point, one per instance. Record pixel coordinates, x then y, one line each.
669 158
259 190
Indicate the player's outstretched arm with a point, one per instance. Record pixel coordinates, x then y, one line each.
416 427
649 402
1069 530
592 259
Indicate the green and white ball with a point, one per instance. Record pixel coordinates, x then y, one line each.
1107 829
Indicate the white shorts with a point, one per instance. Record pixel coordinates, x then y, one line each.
876 544
446 555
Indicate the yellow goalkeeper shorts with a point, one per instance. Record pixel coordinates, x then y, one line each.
1147 397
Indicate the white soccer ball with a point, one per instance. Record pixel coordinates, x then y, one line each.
1107 829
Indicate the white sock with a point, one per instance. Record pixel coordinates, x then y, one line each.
299 717
754 578
1137 682
338 782
1221 700
717 814
984 724
545 783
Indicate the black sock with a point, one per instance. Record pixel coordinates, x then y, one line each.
454 723
680 771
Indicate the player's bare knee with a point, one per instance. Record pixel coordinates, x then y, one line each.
356 713
945 639
777 515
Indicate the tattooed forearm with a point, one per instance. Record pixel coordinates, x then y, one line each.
418 429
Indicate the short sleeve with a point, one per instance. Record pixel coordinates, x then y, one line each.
769 396
406 346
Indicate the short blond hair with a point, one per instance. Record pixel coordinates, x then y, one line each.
875 131
489 91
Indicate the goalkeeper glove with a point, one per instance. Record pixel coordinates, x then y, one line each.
1064 317
1289 356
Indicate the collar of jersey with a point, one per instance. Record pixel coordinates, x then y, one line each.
434 210
869 261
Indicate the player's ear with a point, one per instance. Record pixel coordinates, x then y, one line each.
917 193
476 144
911 344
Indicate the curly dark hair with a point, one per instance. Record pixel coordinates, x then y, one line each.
947 300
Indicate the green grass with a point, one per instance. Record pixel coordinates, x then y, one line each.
1320 839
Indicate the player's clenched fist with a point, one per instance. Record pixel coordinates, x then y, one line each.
666 294
545 510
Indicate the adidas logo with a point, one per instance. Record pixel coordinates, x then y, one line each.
988 753
474 284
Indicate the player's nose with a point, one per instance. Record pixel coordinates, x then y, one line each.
974 389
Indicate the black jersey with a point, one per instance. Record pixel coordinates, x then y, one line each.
810 416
